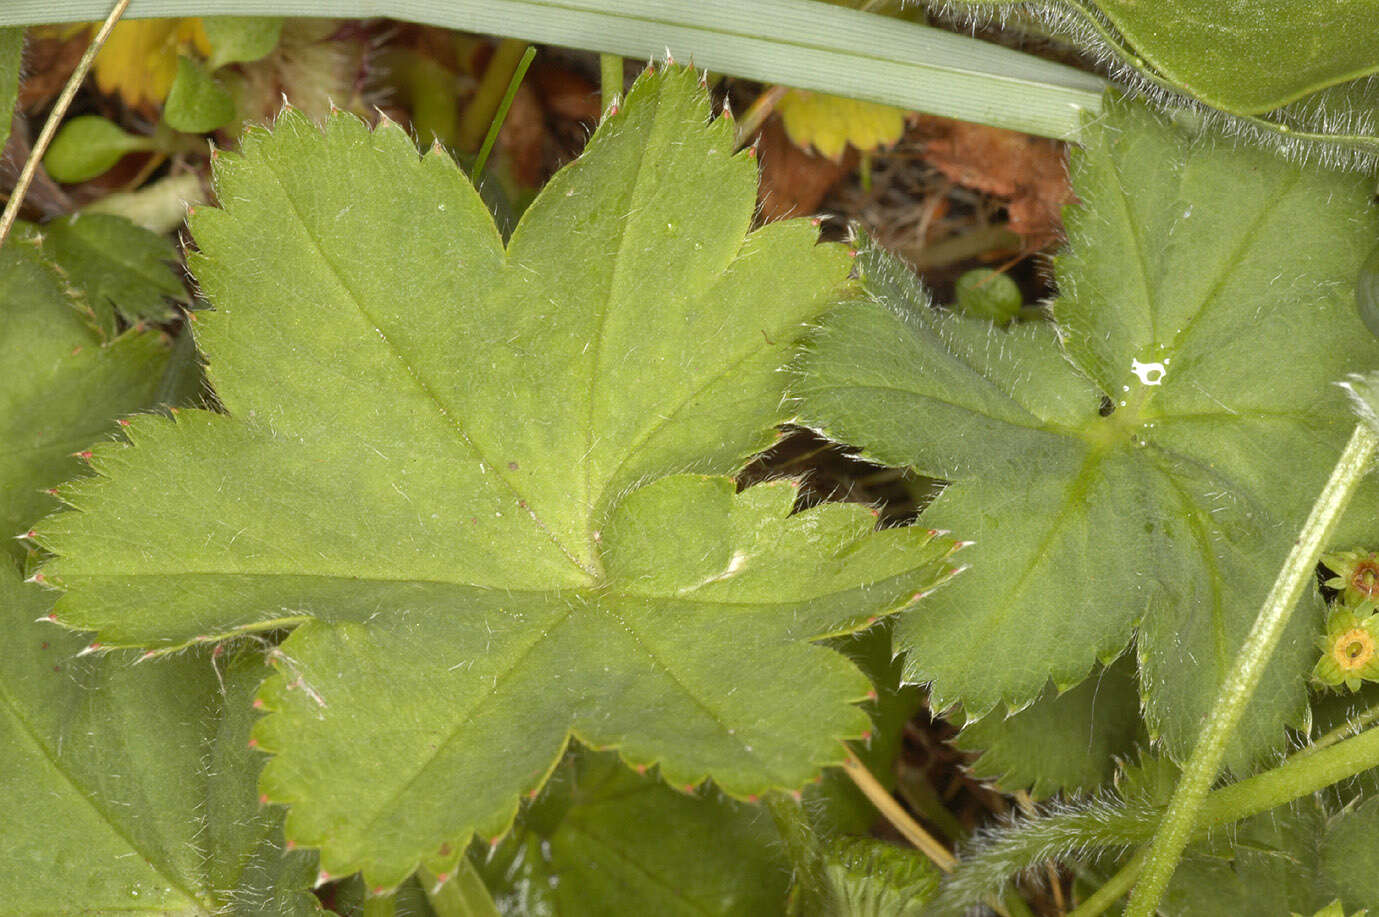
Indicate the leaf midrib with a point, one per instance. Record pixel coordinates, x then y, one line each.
634 205
601 591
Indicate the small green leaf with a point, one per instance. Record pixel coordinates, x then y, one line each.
88 146
117 266
1067 741
197 103
989 294
1350 861
240 39
871 878
1146 464
459 518
603 839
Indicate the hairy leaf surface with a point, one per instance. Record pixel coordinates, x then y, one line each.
1067 742
114 266
1295 859
1208 296
63 390
1247 56
111 806
433 462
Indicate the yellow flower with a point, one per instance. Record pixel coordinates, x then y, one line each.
1348 650
829 123
139 60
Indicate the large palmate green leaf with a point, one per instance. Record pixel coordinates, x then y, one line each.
431 463
604 839
1247 56
1147 461
128 789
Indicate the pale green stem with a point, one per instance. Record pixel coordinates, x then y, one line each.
45 137
1177 827
757 113
801 848
610 80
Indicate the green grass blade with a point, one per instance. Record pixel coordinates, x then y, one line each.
802 43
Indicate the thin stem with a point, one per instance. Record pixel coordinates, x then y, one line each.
45 137
885 803
610 80
1177 827
757 113
497 124
482 109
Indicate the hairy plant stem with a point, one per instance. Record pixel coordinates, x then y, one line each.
45 137
923 841
801 848
1354 726
1176 829
1112 889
